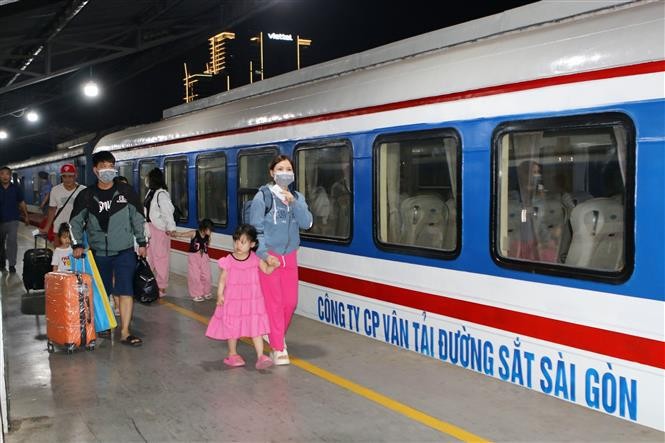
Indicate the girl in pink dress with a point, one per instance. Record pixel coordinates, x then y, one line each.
240 310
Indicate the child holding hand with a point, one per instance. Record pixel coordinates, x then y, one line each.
199 278
60 260
240 308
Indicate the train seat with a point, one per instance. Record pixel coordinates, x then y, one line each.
598 232
450 230
549 217
424 221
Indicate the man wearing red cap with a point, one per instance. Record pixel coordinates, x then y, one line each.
62 199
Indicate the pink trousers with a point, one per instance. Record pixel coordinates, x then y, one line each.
199 278
280 292
159 251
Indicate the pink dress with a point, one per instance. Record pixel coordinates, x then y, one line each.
243 313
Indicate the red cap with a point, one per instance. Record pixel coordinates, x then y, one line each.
68 168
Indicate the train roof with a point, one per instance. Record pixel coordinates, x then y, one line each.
456 57
48 158
507 21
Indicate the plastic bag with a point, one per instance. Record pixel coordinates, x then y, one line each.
145 285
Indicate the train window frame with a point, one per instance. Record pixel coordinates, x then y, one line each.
181 219
274 150
130 177
319 144
141 181
203 157
607 120
396 137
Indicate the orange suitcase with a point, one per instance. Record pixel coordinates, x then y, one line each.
69 311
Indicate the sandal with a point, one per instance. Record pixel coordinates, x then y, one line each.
132 340
263 362
234 361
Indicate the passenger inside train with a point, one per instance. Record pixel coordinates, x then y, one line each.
563 200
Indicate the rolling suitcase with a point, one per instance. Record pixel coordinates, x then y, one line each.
69 311
36 263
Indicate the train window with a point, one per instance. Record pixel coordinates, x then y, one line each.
252 173
324 177
145 166
562 192
175 174
211 188
125 169
417 192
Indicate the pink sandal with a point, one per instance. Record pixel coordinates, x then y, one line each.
263 362
234 361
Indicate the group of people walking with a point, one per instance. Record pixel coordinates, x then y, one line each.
257 291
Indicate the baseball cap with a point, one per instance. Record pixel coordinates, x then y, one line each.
68 168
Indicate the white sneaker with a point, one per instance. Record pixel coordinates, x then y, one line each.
280 358
198 299
266 339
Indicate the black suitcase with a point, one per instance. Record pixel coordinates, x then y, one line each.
36 264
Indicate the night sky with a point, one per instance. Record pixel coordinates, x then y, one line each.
336 28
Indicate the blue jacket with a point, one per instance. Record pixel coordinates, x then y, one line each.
279 229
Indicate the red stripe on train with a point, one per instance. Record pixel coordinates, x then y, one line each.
615 344
620 71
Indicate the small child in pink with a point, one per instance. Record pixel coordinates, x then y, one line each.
240 310
199 278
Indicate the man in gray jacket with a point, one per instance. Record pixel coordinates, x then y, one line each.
112 216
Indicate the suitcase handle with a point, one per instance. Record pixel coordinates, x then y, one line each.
43 236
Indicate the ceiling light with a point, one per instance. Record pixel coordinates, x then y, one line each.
91 89
32 116
3 134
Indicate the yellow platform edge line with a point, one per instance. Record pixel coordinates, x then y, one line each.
369 394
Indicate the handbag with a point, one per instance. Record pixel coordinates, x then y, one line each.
145 283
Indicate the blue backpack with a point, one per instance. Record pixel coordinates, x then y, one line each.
247 206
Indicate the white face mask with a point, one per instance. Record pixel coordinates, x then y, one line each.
284 179
106 175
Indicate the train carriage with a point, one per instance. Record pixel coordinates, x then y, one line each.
27 174
490 194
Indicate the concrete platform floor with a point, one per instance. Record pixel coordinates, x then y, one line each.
340 387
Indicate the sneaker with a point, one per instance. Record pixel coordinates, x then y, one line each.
198 299
235 361
12 269
263 362
207 296
280 358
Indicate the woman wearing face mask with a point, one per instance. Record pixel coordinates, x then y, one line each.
161 225
278 216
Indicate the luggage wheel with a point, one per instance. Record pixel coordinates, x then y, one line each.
71 348
50 348
90 347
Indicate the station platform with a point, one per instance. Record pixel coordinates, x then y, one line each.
339 387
